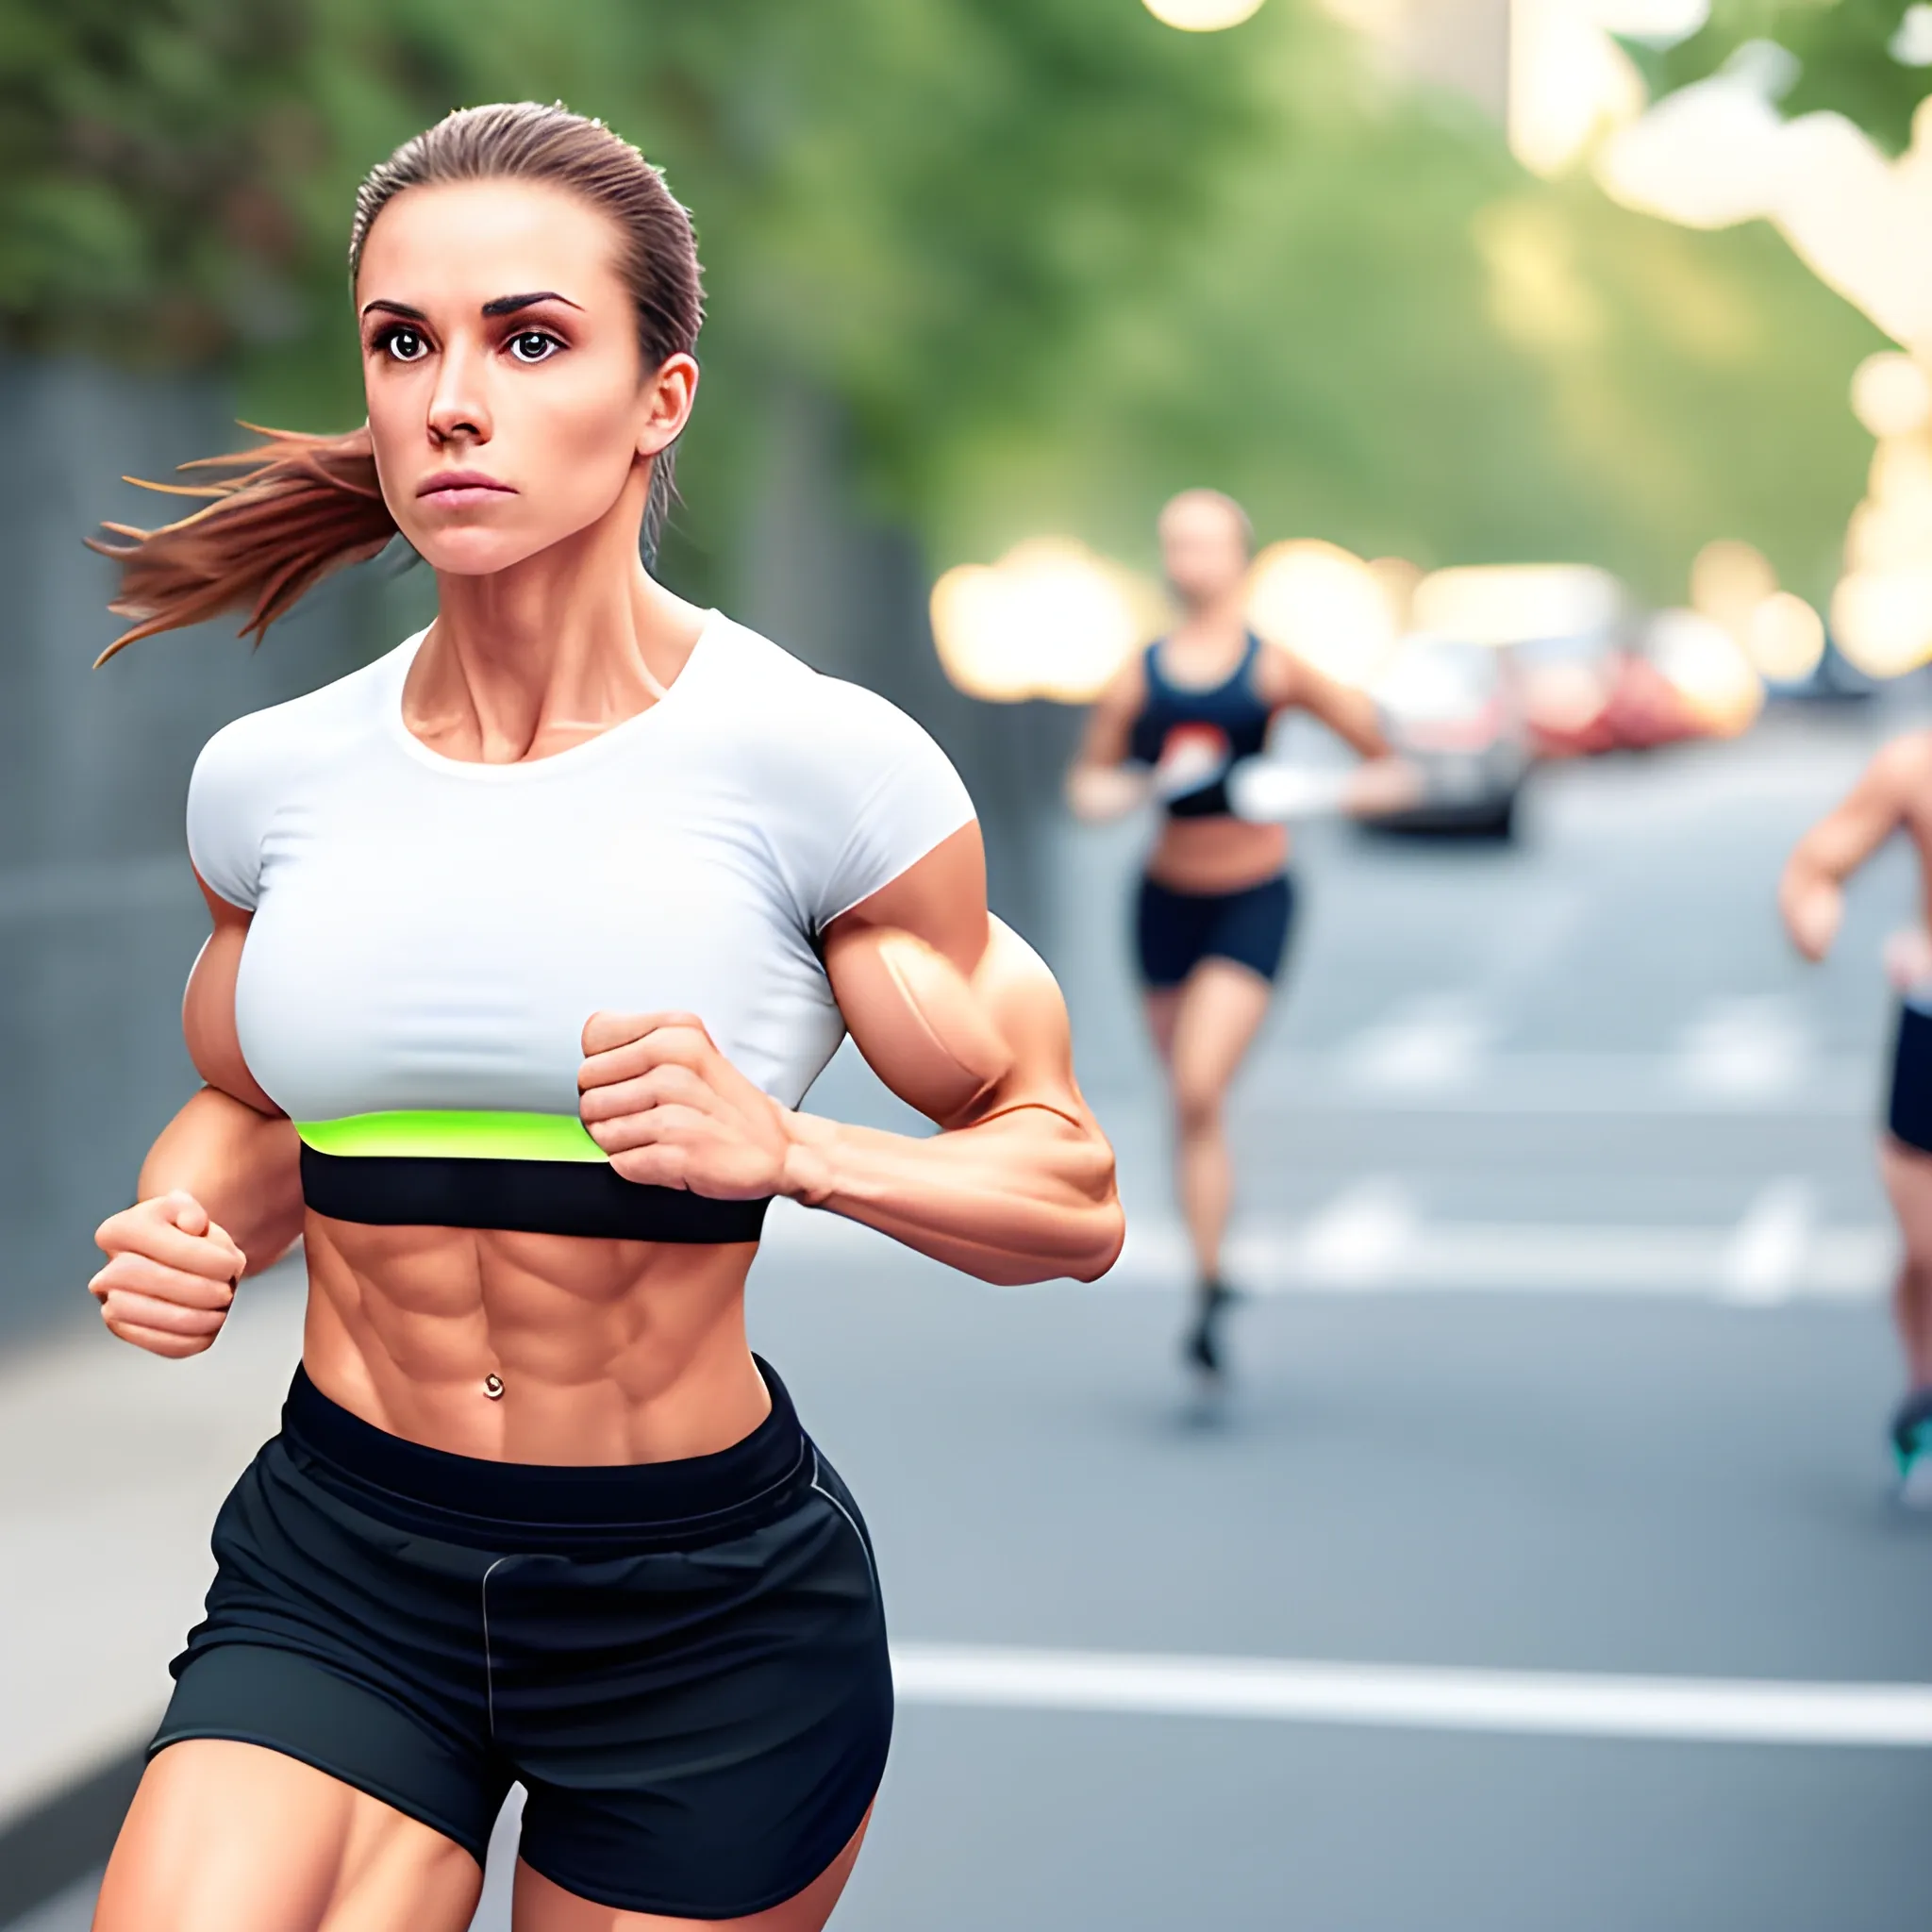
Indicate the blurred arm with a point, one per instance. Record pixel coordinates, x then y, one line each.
1810 894
1100 786
960 1018
1291 682
230 1147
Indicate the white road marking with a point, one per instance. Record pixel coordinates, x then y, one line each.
1432 1044
1363 1236
1745 1048
1765 1260
1682 1709
1369 1241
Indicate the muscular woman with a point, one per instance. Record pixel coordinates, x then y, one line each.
1216 901
1894 795
527 941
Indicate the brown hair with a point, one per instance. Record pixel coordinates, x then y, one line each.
299 507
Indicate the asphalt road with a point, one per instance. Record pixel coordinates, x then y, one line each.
1552 1459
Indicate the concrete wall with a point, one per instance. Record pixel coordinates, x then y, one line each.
99 918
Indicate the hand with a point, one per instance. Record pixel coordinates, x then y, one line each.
1813 911
1381 785
672 1112
171 1274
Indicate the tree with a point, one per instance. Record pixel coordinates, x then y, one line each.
1844 50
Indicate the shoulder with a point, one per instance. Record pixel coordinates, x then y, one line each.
850 791
1127 690
1280 677
807 725
250 768
316 723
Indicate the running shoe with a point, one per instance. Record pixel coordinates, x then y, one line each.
1911 1442
1201 1346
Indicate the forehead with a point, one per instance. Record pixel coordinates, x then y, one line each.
459 240
1201 516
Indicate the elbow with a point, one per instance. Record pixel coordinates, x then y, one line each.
1108 1235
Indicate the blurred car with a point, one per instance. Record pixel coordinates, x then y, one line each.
1454 709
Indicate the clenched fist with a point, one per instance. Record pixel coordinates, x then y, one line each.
170 1277
672 1112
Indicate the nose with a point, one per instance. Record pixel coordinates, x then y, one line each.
459 407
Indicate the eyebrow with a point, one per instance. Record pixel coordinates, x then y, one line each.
504 305
509 305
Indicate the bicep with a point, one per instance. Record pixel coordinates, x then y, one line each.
207 1008
951 1009
1109 737
1348 712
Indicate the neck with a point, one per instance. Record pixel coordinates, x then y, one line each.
553 650
1217 617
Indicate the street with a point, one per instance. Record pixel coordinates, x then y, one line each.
1527 1570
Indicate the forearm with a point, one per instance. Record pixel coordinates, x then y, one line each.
1025 1196
242 1166
1096 794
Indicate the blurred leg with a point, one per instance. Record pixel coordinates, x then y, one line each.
1219 1010
1162 1005
542 1906
1908 1175
231 1838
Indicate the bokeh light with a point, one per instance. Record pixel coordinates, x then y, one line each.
1326 605
1785 638
1728 581
1203 16
1890 396
1049 620
1706 667
1882 619
1518 604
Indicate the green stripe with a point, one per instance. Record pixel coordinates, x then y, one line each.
461 1136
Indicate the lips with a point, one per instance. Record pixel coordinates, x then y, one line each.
461 485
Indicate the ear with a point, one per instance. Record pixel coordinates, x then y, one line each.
669 393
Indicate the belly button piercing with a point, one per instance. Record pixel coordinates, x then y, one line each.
493 1387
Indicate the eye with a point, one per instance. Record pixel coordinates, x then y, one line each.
403 343
533 345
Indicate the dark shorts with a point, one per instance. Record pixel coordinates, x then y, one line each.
1908 1114
684 1663
1175 931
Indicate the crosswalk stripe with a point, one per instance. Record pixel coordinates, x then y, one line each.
1680 1709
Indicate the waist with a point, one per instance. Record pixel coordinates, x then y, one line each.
470 1499
519 1172
1216 855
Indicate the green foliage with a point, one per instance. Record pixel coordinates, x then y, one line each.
1843 48
1387 335
1048 259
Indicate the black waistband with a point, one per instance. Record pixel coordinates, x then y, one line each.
471 1499
573 1197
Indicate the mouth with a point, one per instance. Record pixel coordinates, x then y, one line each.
455 488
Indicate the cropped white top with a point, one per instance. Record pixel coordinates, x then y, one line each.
429 935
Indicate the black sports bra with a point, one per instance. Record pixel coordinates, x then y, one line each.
1233 709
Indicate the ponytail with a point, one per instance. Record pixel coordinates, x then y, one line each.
297 507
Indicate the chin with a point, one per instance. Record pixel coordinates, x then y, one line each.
474 553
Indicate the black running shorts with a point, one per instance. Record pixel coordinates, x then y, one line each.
1908 1115
1175 931
683 1662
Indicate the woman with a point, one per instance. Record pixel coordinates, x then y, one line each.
1216 901
1894 795
529 938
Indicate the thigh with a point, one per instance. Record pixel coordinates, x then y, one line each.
544 1907
227 1837
1162 1007
1220 1010
1907 1175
